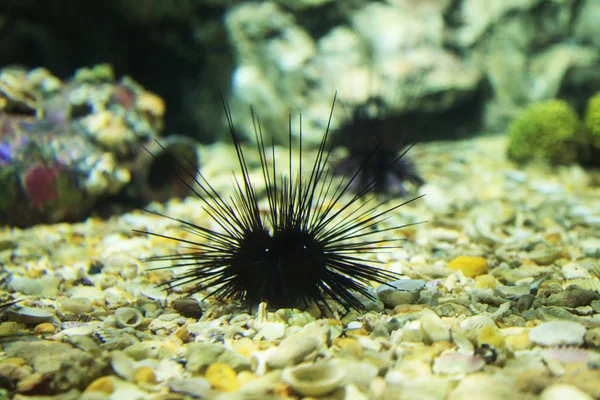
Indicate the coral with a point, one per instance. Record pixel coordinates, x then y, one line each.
544 131
66 146
592 120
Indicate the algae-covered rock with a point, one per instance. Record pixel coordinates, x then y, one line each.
545 131
592 120
64 366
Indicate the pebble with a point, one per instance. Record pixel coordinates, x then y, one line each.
574 271
128 317
592 337
433 328
485 282
188 307
313 379
410 285
44 328
392 297
456 363
30 315
291 351
200 355
271 331
89 292
122 264
27 286
525 302
104 384
591 247
572 297
222 377
561 391
76 305
480 386
557 333
470 266
195 387
545 256
144 375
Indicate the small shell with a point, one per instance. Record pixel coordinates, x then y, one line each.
122 365
195 387
433 328
128 317
300 318
76 305
313 379
392 297
121 264
587 284
471 326
271 331
575 271
456 363
29 315
291 351
556 333
545 256
188 307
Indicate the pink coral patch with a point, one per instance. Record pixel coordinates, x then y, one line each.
40 184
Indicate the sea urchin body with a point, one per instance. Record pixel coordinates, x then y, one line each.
307 247
377 140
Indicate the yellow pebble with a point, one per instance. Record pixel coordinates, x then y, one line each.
532 323
518 342
344 341
144 375
408 308
490 335
470 266
357 333
36 273
485 282
553 238
19 362
222 377
438 348
245 347
44 329
104 385
245 377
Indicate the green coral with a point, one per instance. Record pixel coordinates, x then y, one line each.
545 131
592 120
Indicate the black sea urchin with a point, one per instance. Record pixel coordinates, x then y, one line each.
306 248
377 141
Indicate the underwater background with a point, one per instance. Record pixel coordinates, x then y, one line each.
489 109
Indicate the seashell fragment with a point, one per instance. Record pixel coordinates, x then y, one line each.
402 291
545 256
471 327
195 387
292 350
556 333
433 328
128 317
313 379
456 363
29 315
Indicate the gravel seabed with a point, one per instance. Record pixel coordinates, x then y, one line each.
501 300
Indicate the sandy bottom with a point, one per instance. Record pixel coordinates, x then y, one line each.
501 300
